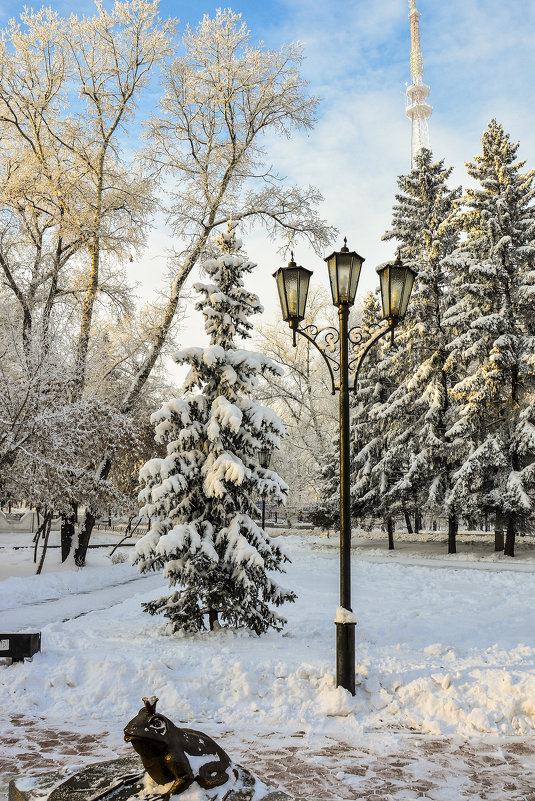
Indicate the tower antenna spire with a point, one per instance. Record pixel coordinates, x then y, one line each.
418 110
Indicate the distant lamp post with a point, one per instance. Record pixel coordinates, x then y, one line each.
396 283
264 458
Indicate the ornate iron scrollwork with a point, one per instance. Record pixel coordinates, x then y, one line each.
327 341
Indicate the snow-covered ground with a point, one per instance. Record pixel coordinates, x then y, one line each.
442 653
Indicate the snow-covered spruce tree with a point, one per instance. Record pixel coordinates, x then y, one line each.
201 497
422 452
368 432
493 318
326 512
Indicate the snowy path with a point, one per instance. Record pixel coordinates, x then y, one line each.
34 615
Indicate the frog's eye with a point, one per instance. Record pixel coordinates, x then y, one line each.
158 725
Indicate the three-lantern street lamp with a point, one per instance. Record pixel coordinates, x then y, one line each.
264 458
343 351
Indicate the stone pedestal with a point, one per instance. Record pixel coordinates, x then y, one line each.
126 775
123 780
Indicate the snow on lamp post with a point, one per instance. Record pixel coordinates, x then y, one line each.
343 351
264 458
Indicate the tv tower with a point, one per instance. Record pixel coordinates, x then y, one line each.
418 110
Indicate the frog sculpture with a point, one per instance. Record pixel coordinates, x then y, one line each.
173 754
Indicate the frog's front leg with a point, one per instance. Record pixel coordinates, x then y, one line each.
180 784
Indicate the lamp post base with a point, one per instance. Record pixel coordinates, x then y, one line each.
345 656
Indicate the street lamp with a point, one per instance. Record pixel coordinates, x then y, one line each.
292 283
396 286
264 457
396 281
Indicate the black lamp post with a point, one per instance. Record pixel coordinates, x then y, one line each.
396 284
264 458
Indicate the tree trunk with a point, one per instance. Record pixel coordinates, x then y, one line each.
88 304
47 523
408 522
390 529
509 549
83 538
453 527
212 619
88 522
163 331
67 532
417 522
40 529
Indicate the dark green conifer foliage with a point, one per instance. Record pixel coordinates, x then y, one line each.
420 451
492 318
326 513
368 436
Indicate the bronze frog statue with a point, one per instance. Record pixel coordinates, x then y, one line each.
173 754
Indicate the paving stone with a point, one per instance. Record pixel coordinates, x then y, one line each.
400 769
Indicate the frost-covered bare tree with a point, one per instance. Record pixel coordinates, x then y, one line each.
67 88
222 96
49 440
75 201
35 244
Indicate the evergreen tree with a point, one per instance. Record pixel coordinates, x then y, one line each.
492 317
203 493
421 451
326 513
367 430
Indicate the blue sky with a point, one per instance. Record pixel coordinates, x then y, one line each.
479 61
